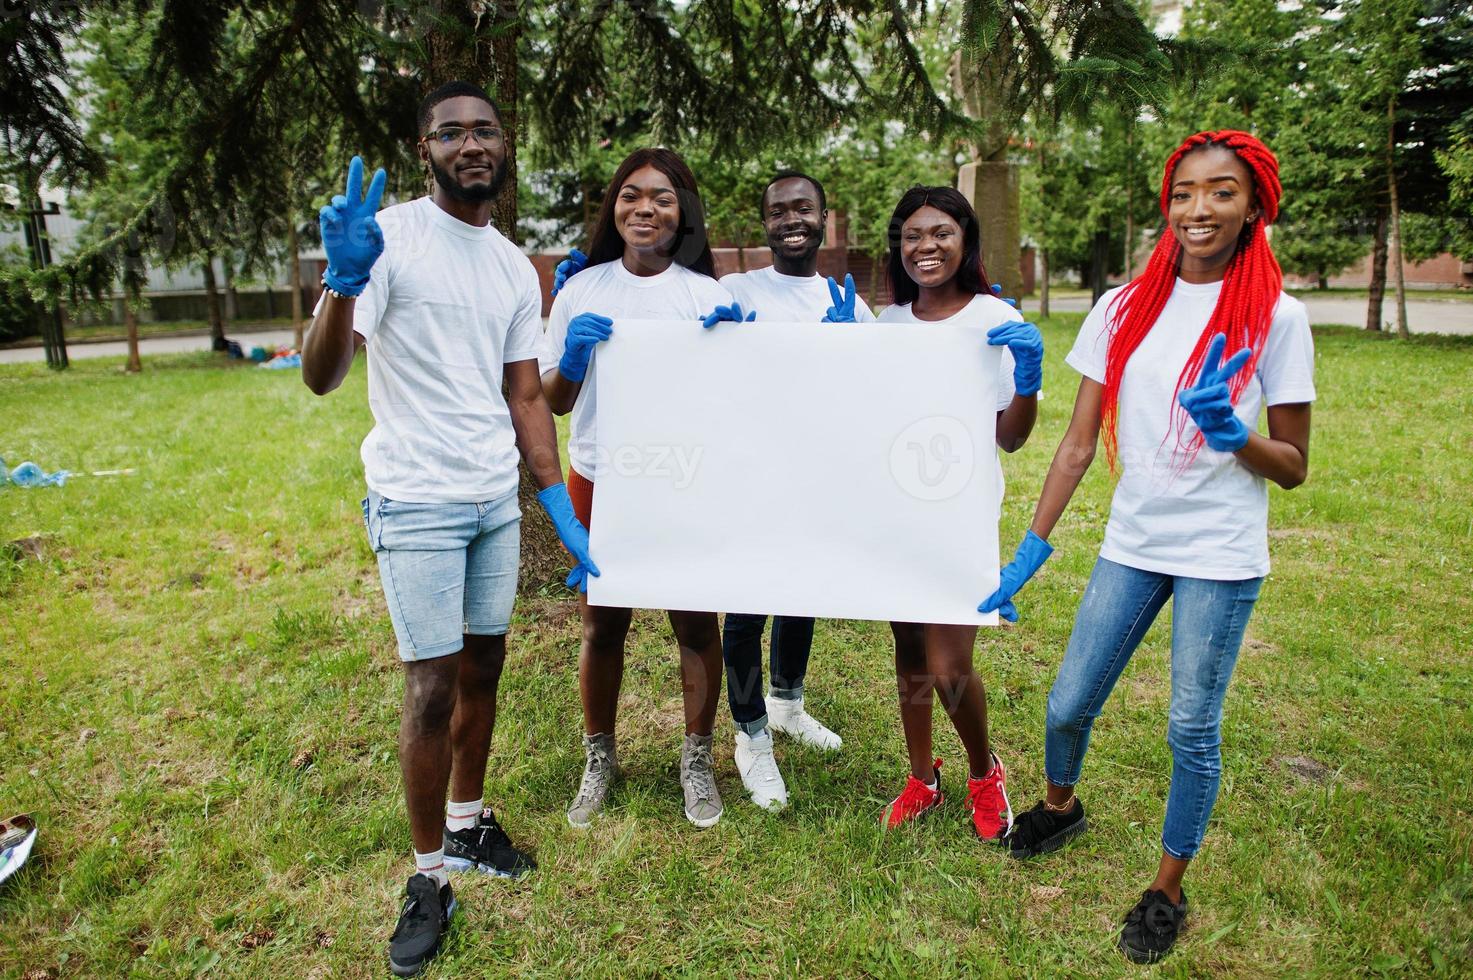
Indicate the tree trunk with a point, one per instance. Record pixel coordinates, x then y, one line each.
1378 272
232 305
1129 203
1043 287
212 303
477 42
1395 243
992 187
38 244
1099 279
294 256
130 321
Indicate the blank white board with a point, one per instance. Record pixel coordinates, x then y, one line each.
803 469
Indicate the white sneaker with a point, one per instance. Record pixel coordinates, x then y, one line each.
789 718
754 760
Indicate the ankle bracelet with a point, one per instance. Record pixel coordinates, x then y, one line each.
1064 807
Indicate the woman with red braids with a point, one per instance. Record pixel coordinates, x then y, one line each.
1189 519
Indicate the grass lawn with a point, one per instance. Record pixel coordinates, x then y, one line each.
201 692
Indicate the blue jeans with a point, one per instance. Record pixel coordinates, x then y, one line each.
741 647
1208 619
447 569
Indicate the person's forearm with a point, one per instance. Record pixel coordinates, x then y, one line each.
537 439
1071 461
560 392
1015 423
327 350
1274 459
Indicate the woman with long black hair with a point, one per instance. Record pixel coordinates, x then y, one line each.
649 259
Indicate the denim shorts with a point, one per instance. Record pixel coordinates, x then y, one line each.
447 569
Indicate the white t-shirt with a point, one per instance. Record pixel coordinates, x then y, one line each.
778 297
447 304
1210 519
986 311
611 290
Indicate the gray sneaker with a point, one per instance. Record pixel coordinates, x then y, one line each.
698 782
600 768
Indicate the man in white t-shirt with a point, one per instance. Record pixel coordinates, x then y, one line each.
794 214
448 310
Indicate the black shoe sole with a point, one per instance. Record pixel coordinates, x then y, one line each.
1141 957
1050 843
414 970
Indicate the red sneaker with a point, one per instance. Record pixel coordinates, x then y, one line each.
987 798
916 799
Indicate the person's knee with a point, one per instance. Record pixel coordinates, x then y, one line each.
1064 714
604 630
694 631
483 657
1196 745
429 695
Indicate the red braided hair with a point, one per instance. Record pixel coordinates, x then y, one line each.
1244 309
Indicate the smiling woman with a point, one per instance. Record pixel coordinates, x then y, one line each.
936 276
649 260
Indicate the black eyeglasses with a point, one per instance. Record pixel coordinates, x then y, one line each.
448 136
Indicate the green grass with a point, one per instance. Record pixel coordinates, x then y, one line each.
200 700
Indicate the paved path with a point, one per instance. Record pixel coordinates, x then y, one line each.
1423 315
149 345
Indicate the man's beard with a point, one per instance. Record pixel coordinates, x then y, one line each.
471 195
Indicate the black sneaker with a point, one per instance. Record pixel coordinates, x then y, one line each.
422 922
486 848
1151 927
1040 830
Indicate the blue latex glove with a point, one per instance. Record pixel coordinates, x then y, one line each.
732 313
574 535
1026 343
1029 558
843 309
567 269
584 331
1209 402
350 233
997 291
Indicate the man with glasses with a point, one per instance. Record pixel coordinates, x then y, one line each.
448 309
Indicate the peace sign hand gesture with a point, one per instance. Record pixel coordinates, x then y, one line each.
1209 403
350 233
843 309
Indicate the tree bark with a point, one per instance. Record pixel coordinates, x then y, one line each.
212 303
1043 284
294 256
232 304
990 181
992 187
1099 277
130 321
1378 271
478 43
1395 243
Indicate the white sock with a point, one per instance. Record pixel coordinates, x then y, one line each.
432 864
931 786
463 816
